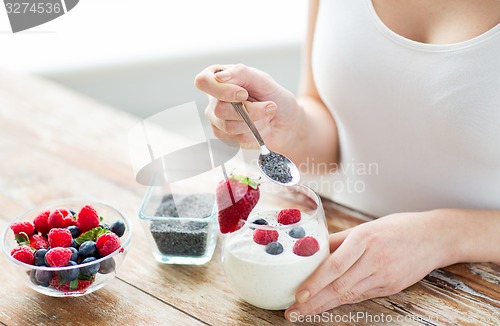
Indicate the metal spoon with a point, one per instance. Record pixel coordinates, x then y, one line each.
275 166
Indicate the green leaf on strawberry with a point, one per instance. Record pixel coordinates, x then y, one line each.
86 277
22 239
62 281
246 181
236 196
91 235
73 284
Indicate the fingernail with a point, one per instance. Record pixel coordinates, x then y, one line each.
302 296
241 96
293 315
223 75
270 109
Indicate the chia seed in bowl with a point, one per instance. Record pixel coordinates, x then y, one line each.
180 234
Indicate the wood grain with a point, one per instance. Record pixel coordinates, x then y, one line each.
55 143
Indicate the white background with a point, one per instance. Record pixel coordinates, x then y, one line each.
142 55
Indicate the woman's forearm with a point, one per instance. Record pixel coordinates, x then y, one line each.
316 141
470 235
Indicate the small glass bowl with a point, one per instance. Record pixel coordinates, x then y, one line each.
47 280
187 237
267 279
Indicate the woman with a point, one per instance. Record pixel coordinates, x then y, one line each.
412 86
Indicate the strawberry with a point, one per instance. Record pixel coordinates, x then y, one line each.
58 257
264 237
60 218
306 246
42 222
60 238
24 254
289 216
26 227
236 196
73 286
107 243
38 242
87 218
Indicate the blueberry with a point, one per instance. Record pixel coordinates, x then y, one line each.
69 274
274 248
118 228
75 231
91 269
33 278
74 244
74 254
107 266
260 221
87 249
40 257
43 276
297 232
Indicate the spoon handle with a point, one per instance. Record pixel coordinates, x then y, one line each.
240 108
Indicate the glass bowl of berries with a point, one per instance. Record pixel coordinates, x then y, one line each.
68 247
275 236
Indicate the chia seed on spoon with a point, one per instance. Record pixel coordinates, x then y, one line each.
275 167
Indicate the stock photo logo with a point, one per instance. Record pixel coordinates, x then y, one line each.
26 14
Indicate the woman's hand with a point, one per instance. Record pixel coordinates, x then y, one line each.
375 259
273 109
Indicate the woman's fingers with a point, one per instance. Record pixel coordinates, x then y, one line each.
366 295
332 268
336 239
207 81
256 110
232 83
352 285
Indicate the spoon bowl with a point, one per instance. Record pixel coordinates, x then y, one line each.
277 167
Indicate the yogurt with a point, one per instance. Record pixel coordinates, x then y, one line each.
271 281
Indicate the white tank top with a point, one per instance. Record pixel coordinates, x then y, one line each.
419 124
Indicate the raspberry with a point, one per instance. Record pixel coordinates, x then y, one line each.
60 218
58 257
289 216
264 237
60 238
23 254
306 246
107 243
42 222
38 242
26 227
66 287
87 218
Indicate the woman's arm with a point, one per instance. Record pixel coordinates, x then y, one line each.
318 116
473 235
387 255
301 129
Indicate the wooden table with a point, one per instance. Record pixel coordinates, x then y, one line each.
55 143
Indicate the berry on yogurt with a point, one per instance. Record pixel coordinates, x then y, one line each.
297 232
264 237
274 248
306 246
289 216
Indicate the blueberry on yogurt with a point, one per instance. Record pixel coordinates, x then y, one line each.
274 248
297 232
